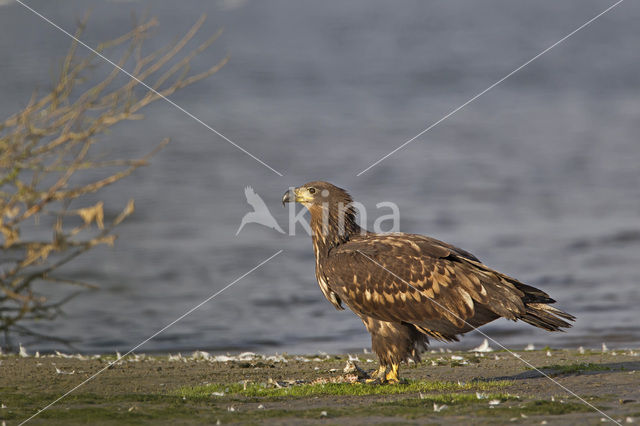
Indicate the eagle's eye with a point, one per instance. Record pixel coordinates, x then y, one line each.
312 190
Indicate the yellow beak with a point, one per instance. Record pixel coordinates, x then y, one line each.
295 195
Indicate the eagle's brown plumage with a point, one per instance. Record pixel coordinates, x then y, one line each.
407 287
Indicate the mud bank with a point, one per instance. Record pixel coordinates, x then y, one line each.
445 388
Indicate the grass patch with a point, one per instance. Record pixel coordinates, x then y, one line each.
343 389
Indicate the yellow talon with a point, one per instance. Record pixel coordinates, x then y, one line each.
392 375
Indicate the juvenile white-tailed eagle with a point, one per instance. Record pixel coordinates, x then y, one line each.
408 287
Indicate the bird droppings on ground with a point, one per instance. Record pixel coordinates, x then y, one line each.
290 389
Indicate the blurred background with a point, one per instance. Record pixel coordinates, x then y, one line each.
539 177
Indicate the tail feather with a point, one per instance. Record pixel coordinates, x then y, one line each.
538 312
532 294
546 317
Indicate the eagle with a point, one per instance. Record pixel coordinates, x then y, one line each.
408 287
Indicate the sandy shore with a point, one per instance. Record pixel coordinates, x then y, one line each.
446 388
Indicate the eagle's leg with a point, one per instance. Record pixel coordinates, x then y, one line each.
394 343
392 374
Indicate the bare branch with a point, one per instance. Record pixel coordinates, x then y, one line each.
50 145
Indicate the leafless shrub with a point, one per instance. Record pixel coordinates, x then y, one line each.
49 165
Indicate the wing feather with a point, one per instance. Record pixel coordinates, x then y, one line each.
420 280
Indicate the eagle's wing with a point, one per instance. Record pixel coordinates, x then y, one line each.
419 280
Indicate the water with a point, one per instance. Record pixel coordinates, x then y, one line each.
539 177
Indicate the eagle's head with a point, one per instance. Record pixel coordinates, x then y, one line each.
317 194
333 217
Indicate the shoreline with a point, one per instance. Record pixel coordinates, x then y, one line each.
446 387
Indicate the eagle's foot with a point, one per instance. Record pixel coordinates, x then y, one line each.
392 375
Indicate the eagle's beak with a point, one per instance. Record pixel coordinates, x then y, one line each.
288 197
297 195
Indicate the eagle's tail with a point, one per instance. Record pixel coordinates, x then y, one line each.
539 313
546 317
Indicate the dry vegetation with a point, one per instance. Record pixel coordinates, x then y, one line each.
53 160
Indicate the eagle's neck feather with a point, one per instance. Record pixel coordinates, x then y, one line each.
331 226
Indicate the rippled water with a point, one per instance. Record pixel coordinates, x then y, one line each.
539 177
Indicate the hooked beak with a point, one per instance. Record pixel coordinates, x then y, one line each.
297 195
288 197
